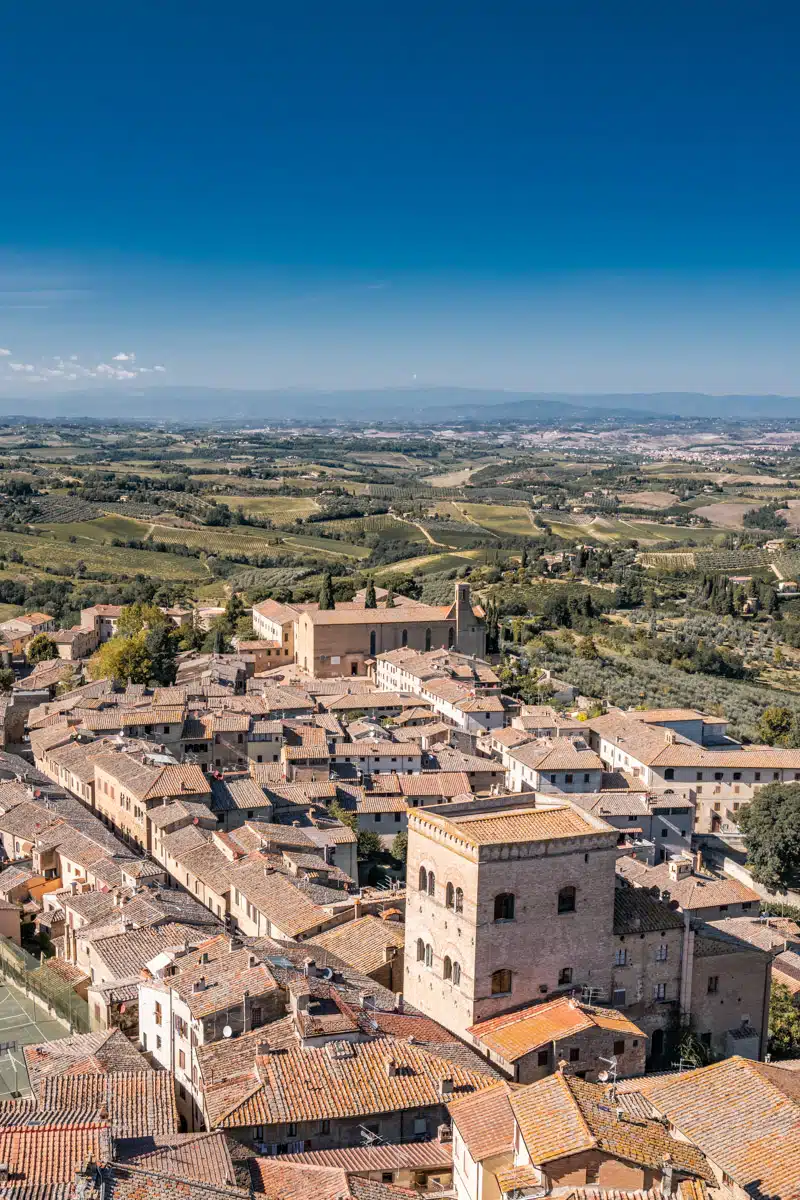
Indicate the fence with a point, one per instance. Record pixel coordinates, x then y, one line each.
31 976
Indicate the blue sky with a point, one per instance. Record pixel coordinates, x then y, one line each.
561 195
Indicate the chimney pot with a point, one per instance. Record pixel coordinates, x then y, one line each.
391 1068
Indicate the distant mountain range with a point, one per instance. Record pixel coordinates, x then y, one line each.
428 406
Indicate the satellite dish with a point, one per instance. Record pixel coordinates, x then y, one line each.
603 1076
227 1032
327 974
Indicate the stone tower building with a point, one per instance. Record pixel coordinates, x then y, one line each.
507 903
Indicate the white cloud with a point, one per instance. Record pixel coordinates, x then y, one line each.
73 358
122 357
159 369
125 375
144 370
21 366
4 353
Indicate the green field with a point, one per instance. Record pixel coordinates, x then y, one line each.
98 558
328 546
500 518
103 529
7 611
279 509
615 529
430 563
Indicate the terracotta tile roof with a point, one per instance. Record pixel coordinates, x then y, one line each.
129 1182
362 943
278 898
368 700
697 890
47 1154
521 824
198 1156
485 1121
137 1102
126 953
281 614
224 981
401 614
282 1180
238 793
435 783
557 754
383 1156
561 1116
380 804
636 911
339 1081
744 1115
373 748
516 1034
108 1050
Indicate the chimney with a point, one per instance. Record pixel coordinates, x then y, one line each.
4 1172
398 1002
389 952
390 1066
446 1089
262 1048
667 1172
251 960
669 737
356 909
310 968
199 984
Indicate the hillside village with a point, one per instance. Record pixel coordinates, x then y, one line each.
337 914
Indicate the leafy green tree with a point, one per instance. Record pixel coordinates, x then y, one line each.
588 649
326 600
370 600
6 679
41 649
234 610
135 617
775 723
161 644
369 844
389 597
123 659
400 846
784 1023
344 815
771 827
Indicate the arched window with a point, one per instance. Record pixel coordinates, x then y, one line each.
456 973
566 900
450 896
451 637
404 638
372 644
504 906
420 950
427 639
429 956
431 884
501 982
423 879
459 900
448 967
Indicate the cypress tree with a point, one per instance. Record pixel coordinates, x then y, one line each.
326 600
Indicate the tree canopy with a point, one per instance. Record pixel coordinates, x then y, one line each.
40 649
771 828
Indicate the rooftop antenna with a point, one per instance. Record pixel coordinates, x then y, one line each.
609 1076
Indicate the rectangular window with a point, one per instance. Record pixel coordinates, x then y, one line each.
574 1054
543 1058
158 1012
660 991
620 958
619 1047
713 985
291 1129
182 1060
619 997
661 952
158 1042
